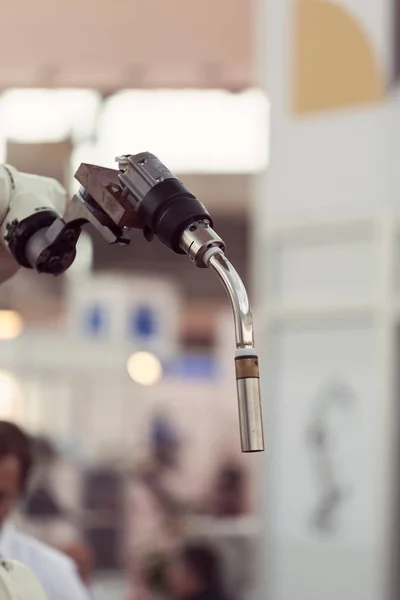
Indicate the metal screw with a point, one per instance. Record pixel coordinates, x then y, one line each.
11 227
69 236
54 261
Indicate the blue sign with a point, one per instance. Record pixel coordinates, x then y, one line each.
95 320
143 322
193 366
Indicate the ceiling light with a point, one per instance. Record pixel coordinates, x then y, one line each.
38 115
144 368
11 324
192 131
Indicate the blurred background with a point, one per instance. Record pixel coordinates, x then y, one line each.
284 119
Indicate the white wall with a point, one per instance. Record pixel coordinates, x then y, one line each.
326 244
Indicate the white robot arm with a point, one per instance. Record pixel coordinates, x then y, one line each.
28 199
39 229
17 582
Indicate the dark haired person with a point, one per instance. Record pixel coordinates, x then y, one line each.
56 572
195 574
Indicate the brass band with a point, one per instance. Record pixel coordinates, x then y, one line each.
247 367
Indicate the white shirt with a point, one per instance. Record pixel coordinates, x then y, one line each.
56 572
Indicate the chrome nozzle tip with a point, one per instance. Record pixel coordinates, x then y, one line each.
249 403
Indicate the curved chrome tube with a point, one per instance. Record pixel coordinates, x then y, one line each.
239 300
246 361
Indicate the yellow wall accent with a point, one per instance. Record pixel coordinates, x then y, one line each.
334 61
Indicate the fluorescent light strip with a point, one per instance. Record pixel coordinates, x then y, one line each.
192 131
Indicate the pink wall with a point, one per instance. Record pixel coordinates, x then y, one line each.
121 43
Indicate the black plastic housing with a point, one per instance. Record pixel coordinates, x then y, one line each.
168 209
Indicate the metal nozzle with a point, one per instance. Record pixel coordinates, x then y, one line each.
249 401
206 249
246 362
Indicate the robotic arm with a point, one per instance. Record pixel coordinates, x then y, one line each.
40 230
27 202
17 582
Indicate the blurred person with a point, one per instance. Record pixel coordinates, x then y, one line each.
154 579
40 503
82 556
44 516
56 572
228 494
195 573
161 471
158 503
